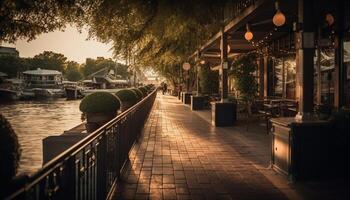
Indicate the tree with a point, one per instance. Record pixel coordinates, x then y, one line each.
72 72
154 33
243 69
11 65
49 60
27 19
209 80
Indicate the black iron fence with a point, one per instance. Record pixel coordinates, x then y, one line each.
90 168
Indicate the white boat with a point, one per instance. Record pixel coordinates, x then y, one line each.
42 83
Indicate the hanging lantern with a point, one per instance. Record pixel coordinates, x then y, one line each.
248 35
279 19
186 66
329 19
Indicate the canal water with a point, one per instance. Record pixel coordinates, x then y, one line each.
35 120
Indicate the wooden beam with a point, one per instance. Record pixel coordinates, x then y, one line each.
233 25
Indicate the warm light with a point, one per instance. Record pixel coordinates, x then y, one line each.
329 19
202 62
248 35
228 48
186 66
279 19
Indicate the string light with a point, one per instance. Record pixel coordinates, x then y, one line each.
279 19
248 35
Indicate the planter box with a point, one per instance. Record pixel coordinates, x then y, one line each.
197 102
96 120
186 97
223 113
301 150
55 145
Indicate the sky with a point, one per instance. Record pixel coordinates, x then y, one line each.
71 43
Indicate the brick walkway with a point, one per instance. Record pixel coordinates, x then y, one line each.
181 156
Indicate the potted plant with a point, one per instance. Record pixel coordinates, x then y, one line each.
143 90
138 93
99 108
9 154
243 69
127 98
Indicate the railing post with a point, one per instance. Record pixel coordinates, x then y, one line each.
101 167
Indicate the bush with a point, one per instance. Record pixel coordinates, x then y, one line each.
138 93
127 95
99 102
149 87
144 91
9 151
208 81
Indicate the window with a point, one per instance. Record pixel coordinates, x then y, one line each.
284 75
327 76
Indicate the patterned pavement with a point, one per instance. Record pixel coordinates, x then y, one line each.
181 156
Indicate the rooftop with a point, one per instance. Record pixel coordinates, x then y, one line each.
42 72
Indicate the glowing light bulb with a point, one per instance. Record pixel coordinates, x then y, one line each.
248 35
279 19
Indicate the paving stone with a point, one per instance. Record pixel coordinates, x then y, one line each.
181 156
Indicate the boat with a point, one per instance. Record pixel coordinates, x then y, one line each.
42 83
9 95
73 90
10 89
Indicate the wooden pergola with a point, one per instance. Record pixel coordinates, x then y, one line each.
298 34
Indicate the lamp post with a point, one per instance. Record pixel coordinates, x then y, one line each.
187 66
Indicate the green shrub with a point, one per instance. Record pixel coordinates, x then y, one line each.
127 95
209 81
99 102
9 151
138 93
150 87
143 90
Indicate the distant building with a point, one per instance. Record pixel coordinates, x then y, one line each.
8 51
106 78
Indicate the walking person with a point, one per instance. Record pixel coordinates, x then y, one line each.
165 87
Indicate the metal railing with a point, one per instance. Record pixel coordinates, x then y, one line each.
90 168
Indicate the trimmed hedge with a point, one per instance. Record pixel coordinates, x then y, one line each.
99 102
143 90
138 93
10 152
127 95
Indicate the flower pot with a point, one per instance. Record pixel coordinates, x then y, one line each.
96 120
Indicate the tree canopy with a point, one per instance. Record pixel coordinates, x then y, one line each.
153 33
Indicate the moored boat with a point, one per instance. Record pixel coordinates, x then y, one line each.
42 83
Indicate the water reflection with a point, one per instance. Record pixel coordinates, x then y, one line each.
35 120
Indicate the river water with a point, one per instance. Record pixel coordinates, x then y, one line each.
35 120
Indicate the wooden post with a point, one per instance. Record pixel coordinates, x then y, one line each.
339 58
261 77
266 76
305 62
224 66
